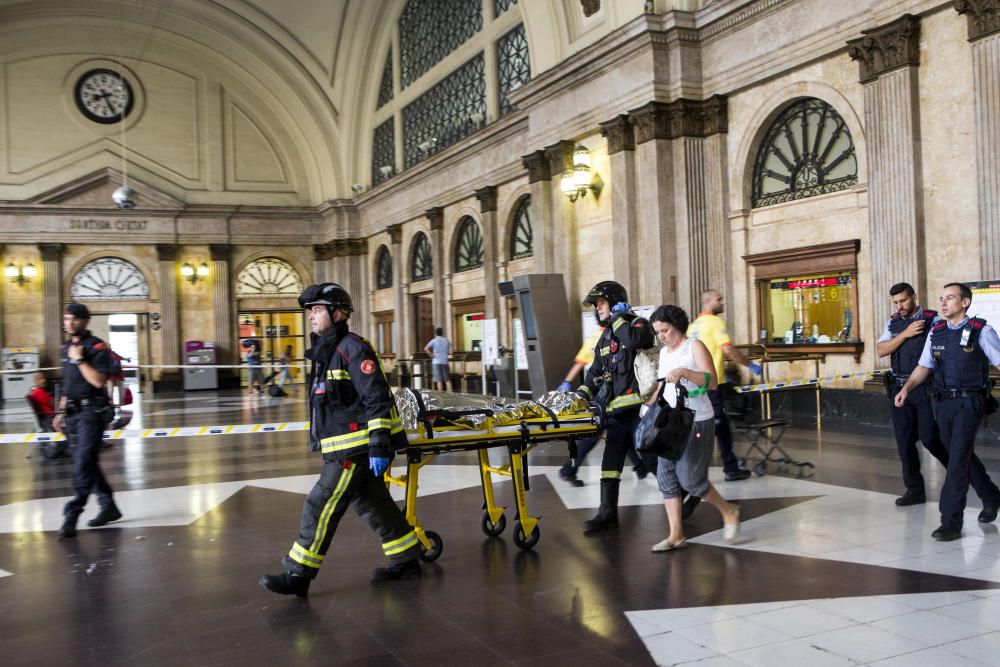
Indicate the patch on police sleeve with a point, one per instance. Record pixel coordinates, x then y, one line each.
367 366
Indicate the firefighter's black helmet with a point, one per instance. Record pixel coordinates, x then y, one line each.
608 290
331 295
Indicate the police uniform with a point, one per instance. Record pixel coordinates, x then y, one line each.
960 358
88 412
915 420
611 381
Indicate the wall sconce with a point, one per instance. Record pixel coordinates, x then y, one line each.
194 275
20 274
576 183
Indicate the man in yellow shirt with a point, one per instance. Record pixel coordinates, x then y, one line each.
710 329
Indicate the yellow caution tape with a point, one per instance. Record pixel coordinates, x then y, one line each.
165 432
811 382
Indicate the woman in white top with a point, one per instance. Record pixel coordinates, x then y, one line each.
687 361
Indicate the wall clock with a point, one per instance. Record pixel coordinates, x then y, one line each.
103 96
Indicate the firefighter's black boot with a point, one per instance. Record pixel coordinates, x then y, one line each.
607 513
410 568
286 584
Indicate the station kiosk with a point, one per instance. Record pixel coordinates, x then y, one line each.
200 353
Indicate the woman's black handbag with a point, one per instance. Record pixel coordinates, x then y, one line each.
664 430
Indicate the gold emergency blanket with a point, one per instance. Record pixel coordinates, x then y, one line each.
473 410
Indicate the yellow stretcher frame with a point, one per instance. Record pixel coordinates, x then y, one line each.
426 443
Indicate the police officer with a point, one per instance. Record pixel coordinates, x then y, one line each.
355 423
84 410
959 352
903 340
611 381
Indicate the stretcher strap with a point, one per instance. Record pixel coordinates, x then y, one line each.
552 415
422 414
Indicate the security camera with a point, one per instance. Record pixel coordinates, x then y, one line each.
385 170
357 188
476 118
427 146
124 198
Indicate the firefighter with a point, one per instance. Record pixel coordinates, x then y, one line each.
610 381
355 423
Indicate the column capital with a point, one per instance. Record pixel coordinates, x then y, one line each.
560 155
166 252
322 252
436 217
983 17
219 252
887 47
353 247
487 198
618 131
395 233
537 165
50 252
681 118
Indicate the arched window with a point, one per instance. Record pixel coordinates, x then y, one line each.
383 268
109 279
520 234
385 88
807 151
268 276
421 263
431 29
468 246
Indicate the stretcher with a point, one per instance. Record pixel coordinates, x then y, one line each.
438 422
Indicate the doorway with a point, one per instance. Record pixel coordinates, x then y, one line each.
423 310
276 331
127 336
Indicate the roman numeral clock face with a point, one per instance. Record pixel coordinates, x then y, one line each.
103 96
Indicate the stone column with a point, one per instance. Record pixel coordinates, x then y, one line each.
655 214
540 179
492 249
565 234
398 292
3 296
322 254
716 126
356 276
621 152
222 312
889 59
52 301
439 264
984 34
170 326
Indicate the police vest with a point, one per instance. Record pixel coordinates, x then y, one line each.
959 367
906 356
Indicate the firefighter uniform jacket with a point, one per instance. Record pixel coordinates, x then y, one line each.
350 398
614 359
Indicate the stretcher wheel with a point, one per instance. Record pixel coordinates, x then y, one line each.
523 542
437 546
760 468
491 529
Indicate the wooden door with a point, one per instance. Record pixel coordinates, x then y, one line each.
423 307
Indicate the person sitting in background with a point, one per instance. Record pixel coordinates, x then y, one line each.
42 401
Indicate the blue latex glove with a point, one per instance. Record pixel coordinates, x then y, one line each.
564 386
620 307
379 464
755 368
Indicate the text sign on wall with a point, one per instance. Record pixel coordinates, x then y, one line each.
97 224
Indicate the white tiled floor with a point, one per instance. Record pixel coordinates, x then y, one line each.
921 629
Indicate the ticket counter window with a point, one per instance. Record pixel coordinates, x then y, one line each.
471 338
809 310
